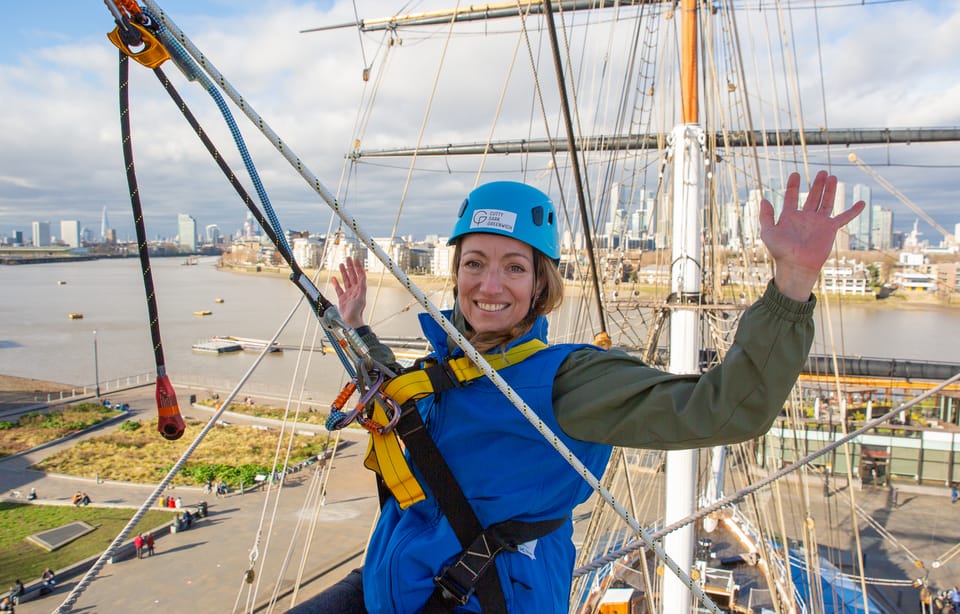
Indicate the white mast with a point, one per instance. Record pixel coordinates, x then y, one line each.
681 466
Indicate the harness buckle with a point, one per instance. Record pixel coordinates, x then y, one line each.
450 592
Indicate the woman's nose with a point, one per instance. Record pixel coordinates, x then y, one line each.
491 280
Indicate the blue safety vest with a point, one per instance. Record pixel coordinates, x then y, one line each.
507 471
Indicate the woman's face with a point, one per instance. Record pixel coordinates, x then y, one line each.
495 281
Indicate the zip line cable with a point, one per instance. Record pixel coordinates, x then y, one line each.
170 32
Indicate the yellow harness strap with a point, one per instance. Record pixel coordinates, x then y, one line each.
385 451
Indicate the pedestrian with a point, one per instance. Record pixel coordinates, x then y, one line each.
33 494
138 544
506 253
49 580
150 543
17 592
954 493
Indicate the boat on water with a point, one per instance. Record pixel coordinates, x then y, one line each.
203 312
618 134
75 315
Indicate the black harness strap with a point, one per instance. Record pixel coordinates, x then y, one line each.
467 575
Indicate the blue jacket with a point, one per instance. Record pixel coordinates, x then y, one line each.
507 470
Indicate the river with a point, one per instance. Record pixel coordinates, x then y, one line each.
38 340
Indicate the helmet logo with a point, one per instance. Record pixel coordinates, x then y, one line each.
494 219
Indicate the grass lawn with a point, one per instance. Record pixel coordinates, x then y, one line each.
21 559
135 452
32 430
309 415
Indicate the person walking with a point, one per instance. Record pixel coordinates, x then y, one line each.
149 544
138 544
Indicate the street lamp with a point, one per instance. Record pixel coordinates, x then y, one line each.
96 370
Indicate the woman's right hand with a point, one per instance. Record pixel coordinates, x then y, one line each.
352 295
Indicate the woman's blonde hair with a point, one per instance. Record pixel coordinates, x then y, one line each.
547 296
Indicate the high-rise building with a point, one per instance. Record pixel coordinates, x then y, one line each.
881 232
862 226
41 234
186 233
213 234
104 224
70 232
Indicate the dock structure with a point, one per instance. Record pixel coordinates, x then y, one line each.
217 346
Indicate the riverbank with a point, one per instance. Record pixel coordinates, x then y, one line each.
899 300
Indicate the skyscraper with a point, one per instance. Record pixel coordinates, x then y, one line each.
70 232
104 224
187 233
862 226
41 234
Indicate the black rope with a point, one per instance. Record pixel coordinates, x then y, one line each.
169 421
319 303
138 215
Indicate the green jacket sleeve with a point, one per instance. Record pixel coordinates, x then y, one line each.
380 352
611 397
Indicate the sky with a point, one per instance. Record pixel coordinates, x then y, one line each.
885 64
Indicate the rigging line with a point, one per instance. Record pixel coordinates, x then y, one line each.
455 335
413 159
319 304
286 462
169 421
886 534
798 464
104 558
574 157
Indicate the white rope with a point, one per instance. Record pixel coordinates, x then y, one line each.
428 306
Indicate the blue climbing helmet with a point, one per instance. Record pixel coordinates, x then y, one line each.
513 210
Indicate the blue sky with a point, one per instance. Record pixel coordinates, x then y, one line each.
887 65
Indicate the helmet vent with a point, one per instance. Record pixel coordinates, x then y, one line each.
463 207
537 215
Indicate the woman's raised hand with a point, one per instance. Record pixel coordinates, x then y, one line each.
801 240
352 295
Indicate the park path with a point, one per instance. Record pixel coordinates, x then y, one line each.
202 569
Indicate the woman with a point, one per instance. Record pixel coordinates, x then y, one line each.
506 281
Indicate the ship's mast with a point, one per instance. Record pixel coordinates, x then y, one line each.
681 465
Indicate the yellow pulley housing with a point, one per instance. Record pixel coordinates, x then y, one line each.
153 53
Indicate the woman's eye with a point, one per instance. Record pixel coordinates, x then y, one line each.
516 268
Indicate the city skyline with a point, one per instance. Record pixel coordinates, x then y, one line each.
62 153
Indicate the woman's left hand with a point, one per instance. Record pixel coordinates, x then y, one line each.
801 240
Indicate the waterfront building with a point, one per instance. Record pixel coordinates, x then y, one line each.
845 277
16 237
308 251
187 233
70 232
442 259
41 234
342 247
398 251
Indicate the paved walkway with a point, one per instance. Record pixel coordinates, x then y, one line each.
202 569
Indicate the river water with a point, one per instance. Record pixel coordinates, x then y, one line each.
38 340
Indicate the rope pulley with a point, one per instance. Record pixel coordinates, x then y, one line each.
131 35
